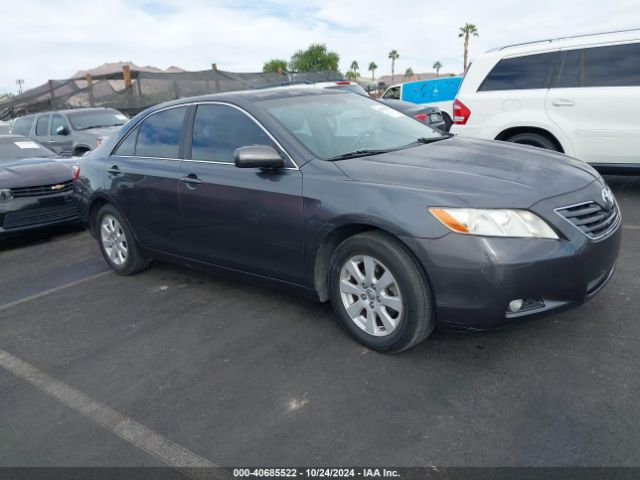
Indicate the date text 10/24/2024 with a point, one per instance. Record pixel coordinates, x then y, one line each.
315 473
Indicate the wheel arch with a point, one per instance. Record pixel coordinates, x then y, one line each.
509 132
447 119
94 208
335 237
80 148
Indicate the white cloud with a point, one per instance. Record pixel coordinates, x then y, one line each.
43 39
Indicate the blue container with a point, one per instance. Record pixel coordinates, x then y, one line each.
430 91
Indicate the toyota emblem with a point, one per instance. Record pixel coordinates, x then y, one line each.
607 197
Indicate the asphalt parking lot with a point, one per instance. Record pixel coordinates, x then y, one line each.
240 375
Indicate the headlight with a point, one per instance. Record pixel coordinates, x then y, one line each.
5 194
495 223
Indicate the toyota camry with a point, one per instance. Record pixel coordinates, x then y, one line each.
336 196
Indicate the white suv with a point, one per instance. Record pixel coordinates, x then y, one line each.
578 95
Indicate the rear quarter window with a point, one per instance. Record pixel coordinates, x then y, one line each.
613 66
521 73
22 126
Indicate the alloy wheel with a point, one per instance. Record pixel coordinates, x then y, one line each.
371 295
114 240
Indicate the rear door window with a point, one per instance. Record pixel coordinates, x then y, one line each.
613 66
521 73
160 133
42 126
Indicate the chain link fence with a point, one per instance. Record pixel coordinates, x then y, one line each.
133 91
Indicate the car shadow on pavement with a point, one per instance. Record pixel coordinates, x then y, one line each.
36 237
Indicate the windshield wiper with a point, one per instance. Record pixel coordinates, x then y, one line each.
101 126
425 140
359 153
368 152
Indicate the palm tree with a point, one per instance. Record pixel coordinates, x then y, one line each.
372 69
408 72
466 31
437 66
355 68
393 55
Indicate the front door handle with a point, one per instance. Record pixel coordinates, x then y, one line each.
562 102
191 180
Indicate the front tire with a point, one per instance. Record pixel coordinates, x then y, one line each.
379 293
117 243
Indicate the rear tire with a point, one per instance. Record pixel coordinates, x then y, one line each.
379 293
117 243
533 139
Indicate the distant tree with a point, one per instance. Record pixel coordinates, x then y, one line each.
372 68
408 73
275 65
314 58
437 66
393 55
351 75
355 68
466 31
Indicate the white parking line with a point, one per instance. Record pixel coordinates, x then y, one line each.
631 227
53 290
129 430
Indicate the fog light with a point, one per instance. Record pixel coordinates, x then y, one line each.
516 305
5 194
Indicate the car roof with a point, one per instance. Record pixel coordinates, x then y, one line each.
69 110
569 42
256 95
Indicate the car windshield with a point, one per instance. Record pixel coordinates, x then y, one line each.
17 148
96 118
332 126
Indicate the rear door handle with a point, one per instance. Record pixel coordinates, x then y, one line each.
115 171
562 102
191 180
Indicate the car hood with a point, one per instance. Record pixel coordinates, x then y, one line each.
33 172
478 173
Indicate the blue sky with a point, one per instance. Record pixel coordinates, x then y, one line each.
43 39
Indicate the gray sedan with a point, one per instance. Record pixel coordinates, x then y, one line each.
339 197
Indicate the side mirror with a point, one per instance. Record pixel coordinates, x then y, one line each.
62 130
257 156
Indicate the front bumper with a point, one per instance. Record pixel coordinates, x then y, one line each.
22 214
475 278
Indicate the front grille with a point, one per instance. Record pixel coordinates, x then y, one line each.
41 190
591 219
37 216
